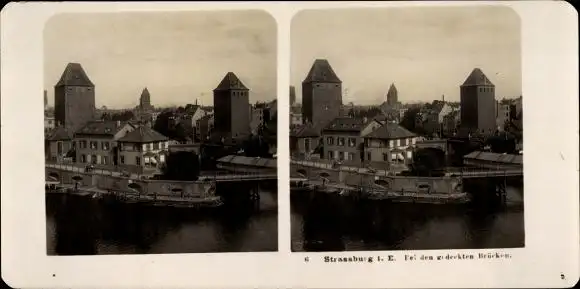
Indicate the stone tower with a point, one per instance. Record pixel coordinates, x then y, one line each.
478 103
392 96
321 94
74 98
231 100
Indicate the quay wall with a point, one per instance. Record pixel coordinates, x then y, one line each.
442 185
148 187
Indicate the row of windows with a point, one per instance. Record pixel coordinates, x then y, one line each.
95 159
341 155
104 160
395 142
486 89
340 141
94 145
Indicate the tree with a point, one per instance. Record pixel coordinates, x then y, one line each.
181 166
409 120
503 142
162 123
256 146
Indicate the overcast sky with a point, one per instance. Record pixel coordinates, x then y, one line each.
426 52
178 56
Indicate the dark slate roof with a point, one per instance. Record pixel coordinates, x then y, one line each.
477 77
321 71
346 124
74 75
249 161
390 130
306 130
496 158
59 134
102 127
143 134
231 81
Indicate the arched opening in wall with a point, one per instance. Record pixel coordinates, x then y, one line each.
135 187
383 183
324 177
53 177
302 173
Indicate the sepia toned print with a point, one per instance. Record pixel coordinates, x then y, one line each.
160 133
408 135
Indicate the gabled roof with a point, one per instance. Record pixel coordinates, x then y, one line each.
477 77
143 134
230 82
321 71
346 124
74 75
60 134
102 127
306 130
390 130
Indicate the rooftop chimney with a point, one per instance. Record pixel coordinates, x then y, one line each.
118 123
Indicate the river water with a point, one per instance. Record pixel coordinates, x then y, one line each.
84 226
321 222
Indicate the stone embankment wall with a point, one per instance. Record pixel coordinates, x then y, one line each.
148 187
441 185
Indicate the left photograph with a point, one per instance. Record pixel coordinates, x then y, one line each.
160 133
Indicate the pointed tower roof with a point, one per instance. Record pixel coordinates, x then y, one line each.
74 75
321 71
392 89
145 92
477 77
231 81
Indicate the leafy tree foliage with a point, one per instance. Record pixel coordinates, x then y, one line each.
181 166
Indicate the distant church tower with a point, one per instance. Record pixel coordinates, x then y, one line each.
321 94
74 98
478 103
145 100
392 96
231 100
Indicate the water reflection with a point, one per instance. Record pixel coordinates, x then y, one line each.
321 222
84 226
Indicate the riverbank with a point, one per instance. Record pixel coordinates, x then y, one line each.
136 198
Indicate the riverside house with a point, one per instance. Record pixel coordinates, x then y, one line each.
96 142
390 143
343 138
142 150
59 146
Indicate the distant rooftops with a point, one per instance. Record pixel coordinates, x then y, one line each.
74 75
321 71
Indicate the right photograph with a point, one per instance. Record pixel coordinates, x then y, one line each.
406 129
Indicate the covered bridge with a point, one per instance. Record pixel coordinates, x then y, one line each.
245 164
493 160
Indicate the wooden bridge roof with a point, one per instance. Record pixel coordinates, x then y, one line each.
495 157
249 161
